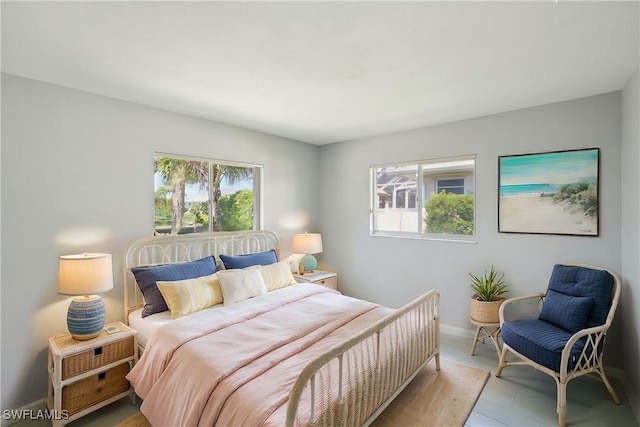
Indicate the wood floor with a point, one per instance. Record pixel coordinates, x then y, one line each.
522 397
526 397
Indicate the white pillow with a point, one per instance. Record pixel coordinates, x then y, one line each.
238 285
277 275
188 296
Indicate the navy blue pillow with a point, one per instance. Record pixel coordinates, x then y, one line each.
247 260
148 276
581 281
565 311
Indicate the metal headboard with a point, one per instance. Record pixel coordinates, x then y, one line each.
187 247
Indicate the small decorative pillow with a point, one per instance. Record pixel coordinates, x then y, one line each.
585 282
247 260
190 295
148 276
238 285
277 275
566 311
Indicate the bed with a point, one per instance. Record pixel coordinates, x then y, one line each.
289 354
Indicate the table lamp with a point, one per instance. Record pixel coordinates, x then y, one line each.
84 275
307 244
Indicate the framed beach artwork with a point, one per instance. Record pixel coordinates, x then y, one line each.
549 193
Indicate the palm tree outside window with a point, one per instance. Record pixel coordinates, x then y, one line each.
195 195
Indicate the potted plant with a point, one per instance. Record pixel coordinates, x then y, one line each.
487 296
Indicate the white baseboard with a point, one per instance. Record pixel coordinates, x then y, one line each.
614 372
33 408
457 331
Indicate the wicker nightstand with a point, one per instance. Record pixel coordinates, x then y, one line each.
324 278
87 375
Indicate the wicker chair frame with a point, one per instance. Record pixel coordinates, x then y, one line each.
588 362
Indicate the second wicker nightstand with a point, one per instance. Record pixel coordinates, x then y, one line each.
324 278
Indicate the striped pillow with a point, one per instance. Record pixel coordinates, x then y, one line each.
190 295
238 262
146 277
566 311
277 275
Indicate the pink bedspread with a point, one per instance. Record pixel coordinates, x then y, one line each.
236 366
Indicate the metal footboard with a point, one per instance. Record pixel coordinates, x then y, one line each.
353 383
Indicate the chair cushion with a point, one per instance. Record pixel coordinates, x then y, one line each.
568 312
585 282
540 341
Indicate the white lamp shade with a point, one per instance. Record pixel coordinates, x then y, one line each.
85 274
307 243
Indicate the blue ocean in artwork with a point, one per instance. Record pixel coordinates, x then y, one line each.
544 173
512 190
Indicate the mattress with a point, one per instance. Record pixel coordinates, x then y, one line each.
147 326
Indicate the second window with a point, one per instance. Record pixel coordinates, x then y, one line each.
427 198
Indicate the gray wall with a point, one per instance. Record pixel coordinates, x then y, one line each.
77 175
630 306
394 270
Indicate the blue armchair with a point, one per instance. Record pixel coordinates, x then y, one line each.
567 339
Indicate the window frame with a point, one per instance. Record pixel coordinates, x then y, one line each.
449 178
421 198
257 188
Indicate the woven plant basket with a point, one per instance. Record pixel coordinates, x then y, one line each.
485 311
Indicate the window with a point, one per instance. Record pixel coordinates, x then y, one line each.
194 195
455 186
429 198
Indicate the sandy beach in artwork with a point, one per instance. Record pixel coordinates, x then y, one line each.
530 213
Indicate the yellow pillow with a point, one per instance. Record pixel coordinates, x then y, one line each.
188 296
277 275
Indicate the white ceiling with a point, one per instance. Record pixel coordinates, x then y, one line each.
322 72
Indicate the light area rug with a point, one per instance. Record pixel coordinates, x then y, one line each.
434 398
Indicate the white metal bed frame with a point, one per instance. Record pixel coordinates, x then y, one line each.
375 365
174 248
